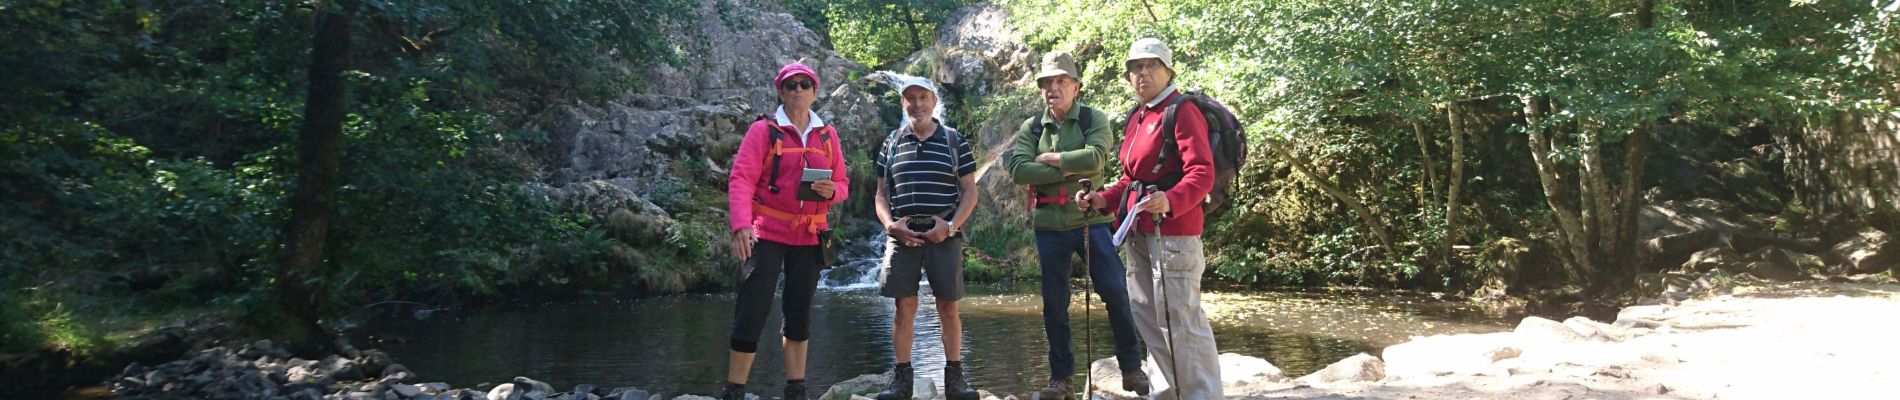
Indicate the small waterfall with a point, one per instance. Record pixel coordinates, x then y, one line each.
858 266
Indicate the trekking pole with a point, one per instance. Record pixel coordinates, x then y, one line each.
1088 300
1167 312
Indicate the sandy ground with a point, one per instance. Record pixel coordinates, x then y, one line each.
1790 341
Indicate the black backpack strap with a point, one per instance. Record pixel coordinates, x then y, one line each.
890 170
1171 148
1037 126
1085 119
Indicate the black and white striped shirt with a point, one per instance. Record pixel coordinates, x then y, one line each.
922 177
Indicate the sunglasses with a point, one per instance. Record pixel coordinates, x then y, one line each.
797 85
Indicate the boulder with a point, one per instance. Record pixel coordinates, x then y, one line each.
533 386
1541 331
406 390
1238 369
1358 368
1105 376
1591 329
503 391
1674 249
1870 251
1773 263
1628 316
1712 258
342 369
1439 355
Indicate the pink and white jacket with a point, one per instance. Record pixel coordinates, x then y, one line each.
781 217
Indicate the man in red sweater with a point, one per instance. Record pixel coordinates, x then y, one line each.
1165 262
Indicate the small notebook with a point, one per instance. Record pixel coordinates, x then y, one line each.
805 193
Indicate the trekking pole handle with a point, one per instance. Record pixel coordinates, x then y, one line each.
1087 187
1150 190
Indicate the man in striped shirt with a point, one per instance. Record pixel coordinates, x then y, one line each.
926 189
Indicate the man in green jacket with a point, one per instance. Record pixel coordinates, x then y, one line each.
1053 151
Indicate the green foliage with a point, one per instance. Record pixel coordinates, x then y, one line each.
1342 83
875 32
158 136
1000 252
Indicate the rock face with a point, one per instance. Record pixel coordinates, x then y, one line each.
979 60
687 121
978 53
734 48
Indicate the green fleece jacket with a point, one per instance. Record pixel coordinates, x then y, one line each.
1084 154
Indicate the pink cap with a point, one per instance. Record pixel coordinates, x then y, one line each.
794 69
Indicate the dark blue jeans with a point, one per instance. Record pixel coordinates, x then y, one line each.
1055 248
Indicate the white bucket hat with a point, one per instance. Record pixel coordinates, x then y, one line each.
1151 48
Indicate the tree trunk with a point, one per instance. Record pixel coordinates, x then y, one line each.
1365 214
1645 14
318 157
910 22
1599 215
1572 242
1629 200
1430 195
1458 130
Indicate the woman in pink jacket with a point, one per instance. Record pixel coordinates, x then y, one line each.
776 216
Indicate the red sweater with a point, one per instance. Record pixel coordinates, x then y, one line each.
750 182
1141 149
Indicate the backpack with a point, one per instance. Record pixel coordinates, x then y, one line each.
950 136
1224 137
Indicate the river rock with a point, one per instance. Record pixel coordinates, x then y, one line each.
342 369
502 392
628 393
1538 330
1105 376
533 385
863 384
1237 369
1358 368
1439 355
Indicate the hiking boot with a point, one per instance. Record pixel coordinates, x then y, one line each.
1135 381
1059 388
795 391
901 380
956 386
733 391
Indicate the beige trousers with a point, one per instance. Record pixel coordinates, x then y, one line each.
1177 286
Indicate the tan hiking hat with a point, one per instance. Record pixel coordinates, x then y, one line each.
1059 63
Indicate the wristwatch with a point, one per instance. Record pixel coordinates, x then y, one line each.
953 227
